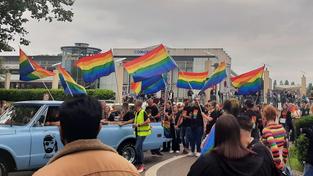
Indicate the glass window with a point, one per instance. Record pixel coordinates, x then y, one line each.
19 114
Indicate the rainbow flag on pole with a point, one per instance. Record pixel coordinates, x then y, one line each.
149 86
216 77
68 83
30 70
191 80
250 82
96 66
155 62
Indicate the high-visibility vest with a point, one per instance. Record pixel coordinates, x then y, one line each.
143 130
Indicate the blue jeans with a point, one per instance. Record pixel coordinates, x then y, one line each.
185 136
308 170
138 148
195 140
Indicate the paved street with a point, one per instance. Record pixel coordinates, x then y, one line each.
176 167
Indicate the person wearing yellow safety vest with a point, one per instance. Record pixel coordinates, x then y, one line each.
142 128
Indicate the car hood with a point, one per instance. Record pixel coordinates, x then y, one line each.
6 130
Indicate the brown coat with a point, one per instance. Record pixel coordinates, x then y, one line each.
87 157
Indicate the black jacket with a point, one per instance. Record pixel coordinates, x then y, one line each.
259 164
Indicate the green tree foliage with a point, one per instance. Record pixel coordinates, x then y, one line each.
281 83
287 83
12 16
275 83
292 83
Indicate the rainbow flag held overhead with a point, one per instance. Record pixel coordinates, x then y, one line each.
148 86
250 82
69 85
155 62
216 77
30 70
191 80
96 66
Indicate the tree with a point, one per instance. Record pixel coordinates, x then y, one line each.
292 83
275 84
12 17
287 82
310 87
281 82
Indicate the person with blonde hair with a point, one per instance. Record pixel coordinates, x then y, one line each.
275 137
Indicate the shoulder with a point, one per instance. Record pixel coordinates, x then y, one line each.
205 165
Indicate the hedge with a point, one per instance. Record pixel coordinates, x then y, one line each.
58 94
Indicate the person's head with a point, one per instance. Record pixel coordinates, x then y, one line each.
246 126
269 114
168 105
138 105
231 107
197 100
249 104
103 104
46 97
186 101
227 138
150 102
213 104
107 109
125 106
80 119
175 108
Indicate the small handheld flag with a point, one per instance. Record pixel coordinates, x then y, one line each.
216 77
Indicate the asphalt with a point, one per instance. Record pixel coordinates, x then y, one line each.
178 167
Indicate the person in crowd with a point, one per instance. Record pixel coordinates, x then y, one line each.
196 126
142 129
107 116
153 109
255 118
275 137
246 126
3 106
166 123
175 129
128 113
83 154
286 121
46 97
154 116
186 125
214 112
229 156
103 106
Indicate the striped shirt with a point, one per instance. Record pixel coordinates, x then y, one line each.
274 137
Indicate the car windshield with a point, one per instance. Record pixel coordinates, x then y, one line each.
19 114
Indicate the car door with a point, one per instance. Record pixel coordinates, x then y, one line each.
45 140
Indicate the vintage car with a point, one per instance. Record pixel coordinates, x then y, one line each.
27 142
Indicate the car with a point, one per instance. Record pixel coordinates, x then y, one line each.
27 142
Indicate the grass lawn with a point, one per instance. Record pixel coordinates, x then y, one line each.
293 161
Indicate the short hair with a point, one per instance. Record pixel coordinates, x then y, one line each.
269 112
80 118
138 103
249 103
231 107
245 122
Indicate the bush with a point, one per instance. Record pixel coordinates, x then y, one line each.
58 94
304 122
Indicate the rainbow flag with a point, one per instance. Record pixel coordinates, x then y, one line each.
25 64
148 86
250 82
96 66
191 80
155 62
216 77
68 83
31 70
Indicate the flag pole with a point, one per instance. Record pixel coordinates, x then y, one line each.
47 90
116 82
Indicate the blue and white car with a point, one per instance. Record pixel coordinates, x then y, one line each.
26 143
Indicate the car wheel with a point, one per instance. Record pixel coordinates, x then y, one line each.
128 151
3 168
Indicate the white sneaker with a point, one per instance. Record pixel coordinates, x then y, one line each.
177 151
198 154
171 151
191 154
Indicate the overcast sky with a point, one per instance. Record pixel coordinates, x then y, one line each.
278 33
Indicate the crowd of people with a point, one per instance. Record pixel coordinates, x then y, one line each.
249 138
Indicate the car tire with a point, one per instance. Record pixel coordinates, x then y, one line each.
128 151
3 168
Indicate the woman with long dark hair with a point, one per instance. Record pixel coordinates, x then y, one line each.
228 157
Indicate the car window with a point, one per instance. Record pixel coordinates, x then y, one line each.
19 114
52 116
